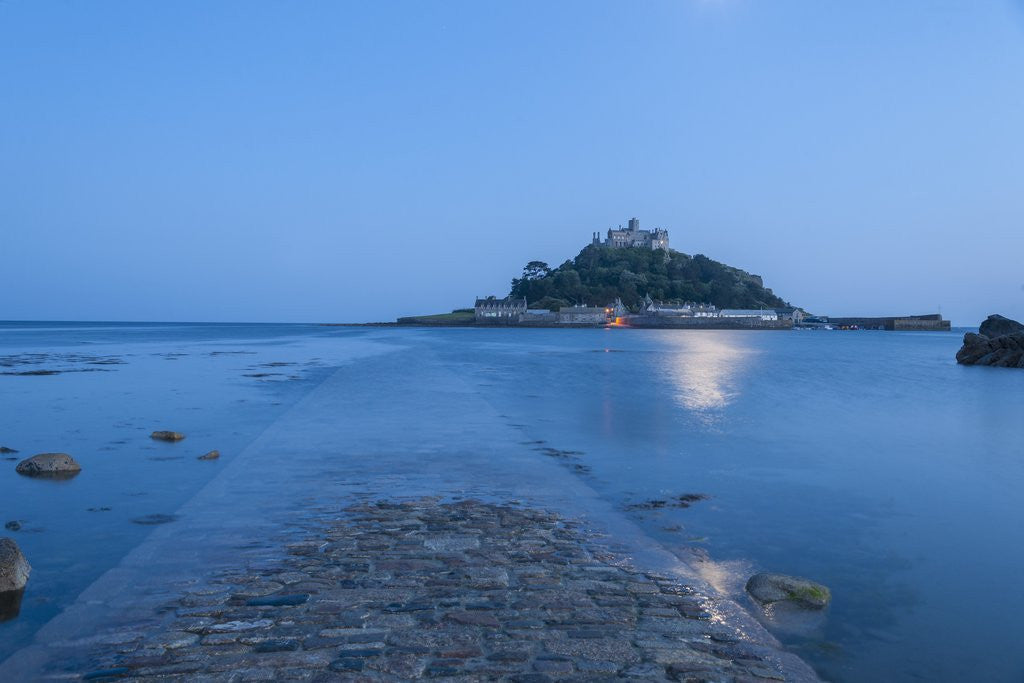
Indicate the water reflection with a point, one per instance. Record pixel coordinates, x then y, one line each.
704 367
785 618
10 604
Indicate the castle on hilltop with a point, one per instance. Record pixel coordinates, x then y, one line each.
633 236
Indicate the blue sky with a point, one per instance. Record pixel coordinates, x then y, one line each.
330 161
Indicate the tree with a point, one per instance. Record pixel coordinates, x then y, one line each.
534 270
599 274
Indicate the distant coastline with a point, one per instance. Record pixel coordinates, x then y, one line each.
632 279
926 323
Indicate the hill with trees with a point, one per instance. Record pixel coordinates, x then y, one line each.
599 274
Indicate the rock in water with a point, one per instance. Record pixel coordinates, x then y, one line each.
1000 344
14 568
49 465
771 588
996 326
167 436
212 455
153 520
5 449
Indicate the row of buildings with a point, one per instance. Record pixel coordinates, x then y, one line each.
515 311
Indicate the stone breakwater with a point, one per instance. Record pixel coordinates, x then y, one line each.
424 589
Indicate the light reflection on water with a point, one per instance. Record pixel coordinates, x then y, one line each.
705 369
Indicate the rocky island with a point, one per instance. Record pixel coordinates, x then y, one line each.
999 343
632 278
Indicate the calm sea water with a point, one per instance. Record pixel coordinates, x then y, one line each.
868 461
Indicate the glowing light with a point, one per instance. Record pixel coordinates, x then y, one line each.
704 367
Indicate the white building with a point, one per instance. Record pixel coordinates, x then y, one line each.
689 310
761 314
495 309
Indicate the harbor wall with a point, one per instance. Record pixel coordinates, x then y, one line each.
923 323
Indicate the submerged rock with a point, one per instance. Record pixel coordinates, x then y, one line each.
682 501
100 674
14 568
167 436
152 520
771 588
60 465
279 600
13 525
5 449
212 455
1000 344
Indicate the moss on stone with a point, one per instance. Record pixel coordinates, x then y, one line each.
815 595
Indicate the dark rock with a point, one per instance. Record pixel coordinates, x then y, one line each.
5 449
682 501
167 436
997 326
58 465
212 455
32 373
14 568
1001 344
150 520
13 525
771 588
101 674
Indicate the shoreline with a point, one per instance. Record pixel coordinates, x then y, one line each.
577 326
731 326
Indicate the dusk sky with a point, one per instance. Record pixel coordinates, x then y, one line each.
330 161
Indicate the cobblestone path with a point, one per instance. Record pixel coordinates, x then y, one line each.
460 590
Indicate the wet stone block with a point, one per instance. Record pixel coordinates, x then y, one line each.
347 665
464 591
276 645
361 652
278 600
